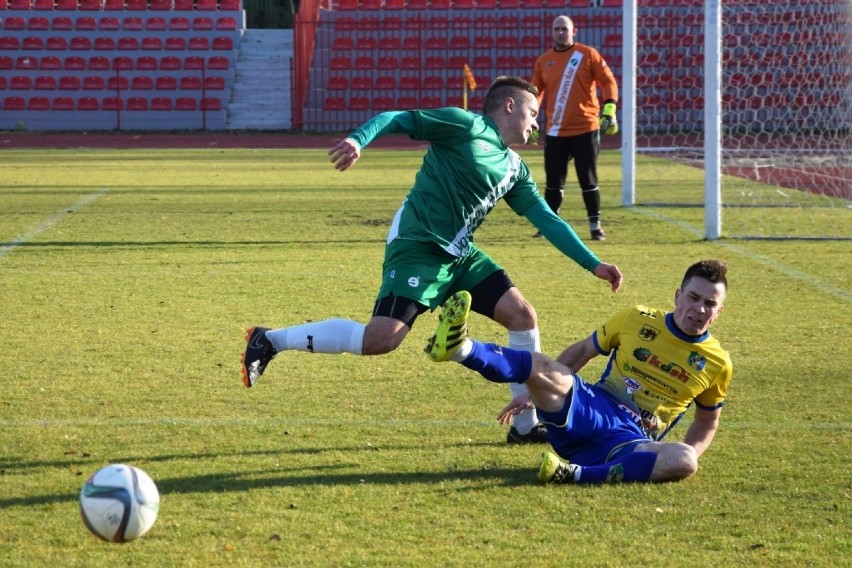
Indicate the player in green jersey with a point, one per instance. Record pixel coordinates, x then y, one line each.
660 363
430 253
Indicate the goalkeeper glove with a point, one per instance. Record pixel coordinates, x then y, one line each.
609 124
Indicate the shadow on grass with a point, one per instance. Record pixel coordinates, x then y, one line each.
307 475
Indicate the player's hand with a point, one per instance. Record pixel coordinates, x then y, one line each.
611 274
519 404
345 153
608 123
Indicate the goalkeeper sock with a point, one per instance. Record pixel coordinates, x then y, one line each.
329 336
592 201
635 466
499 364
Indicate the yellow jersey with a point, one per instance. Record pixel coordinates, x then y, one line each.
656 371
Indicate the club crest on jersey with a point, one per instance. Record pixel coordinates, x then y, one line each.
696 361
414 281
648 333
632 384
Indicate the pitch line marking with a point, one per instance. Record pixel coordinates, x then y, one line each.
788 271
6 248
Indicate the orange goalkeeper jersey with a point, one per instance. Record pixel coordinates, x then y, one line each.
568 82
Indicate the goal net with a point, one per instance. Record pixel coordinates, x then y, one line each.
781 113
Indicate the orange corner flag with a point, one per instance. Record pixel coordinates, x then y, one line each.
468 77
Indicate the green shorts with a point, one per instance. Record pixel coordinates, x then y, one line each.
423 272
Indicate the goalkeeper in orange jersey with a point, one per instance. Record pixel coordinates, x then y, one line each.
660 363
568 77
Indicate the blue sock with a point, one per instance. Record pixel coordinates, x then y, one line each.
635 466
499 364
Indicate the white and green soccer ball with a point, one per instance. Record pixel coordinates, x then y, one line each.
119 503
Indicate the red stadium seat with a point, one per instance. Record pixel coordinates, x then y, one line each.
385 83
229 5
179 24
337 84
133 24
14 103
152 43
146 63
334 103
94 83
362 83
202 24
170 63
98 63
406 103
137 103
42 5
66 4
128 44
409 83
69 83
186 103
85 23
32 43
190 83
193 62
175 43
104 44
50 63
56 44
388 63
26 63
80 43
38 103
218 63
122 63
136 5
109 23
118 83
166 84
155 24
88 103
19 4
74 63
161 103
114 5
225 23
165 5
44 83
112 103
15 23
6 63
433 83
382 103
430 102
142 83
214 83
20 83
410 63
62 23
10 43
359 103
2 82
223 43
89 5
206 5
199 44
63 103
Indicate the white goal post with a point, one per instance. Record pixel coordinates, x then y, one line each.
751 100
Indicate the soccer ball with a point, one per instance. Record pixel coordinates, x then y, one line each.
119 503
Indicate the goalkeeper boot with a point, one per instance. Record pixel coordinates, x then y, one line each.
554 470
598 235
452 328
259 352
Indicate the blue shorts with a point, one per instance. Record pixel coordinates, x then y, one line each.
592 428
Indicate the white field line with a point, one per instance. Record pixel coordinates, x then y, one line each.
6 248
786 270
332 422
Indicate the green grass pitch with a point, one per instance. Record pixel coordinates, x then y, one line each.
127 279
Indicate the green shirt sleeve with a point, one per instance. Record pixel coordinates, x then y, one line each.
392 122
561 235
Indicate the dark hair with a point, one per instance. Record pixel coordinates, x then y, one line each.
713 270
505 86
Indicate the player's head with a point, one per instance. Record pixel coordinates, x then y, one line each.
700 298
512 103
562 31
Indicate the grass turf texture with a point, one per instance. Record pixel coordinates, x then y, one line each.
123 325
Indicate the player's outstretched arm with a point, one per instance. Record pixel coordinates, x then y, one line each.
703 428
611 274
344 154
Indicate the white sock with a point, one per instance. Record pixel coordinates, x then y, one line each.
524 341
462 352
329 336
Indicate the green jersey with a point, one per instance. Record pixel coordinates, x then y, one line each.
466 171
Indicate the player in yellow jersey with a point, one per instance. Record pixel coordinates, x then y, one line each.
660 363
568 78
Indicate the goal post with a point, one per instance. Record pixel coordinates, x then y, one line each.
741 110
